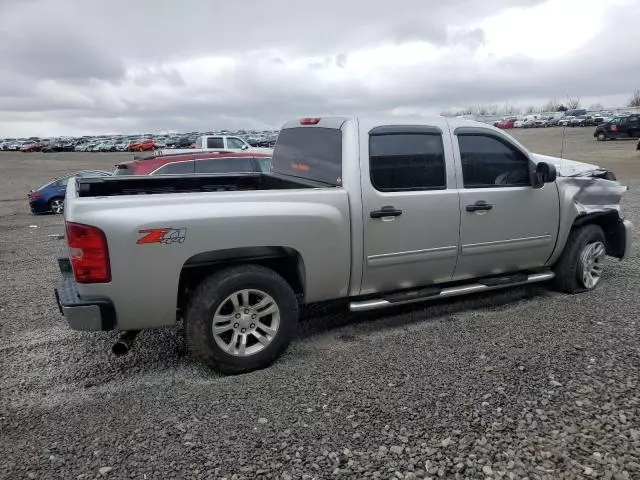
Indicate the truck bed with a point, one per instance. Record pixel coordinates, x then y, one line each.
163 184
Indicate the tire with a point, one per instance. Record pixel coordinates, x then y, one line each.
211 304
583 245
601 137
56 205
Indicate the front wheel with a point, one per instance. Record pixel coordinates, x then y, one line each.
56 205
601 137
241 319
580 266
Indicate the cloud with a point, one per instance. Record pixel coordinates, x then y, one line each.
71 67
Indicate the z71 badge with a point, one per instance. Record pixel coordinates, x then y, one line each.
162 235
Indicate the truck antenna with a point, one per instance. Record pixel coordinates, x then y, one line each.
564 127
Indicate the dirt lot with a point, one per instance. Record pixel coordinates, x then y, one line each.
519 384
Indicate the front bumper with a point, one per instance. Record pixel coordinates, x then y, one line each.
81 314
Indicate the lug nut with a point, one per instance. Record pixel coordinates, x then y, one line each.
237 315
243 330
253 325
253 316
246 312
236 325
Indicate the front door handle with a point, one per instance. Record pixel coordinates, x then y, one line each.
387 211
479 206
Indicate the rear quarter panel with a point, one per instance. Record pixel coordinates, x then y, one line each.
144 286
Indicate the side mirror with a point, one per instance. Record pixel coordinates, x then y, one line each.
545 173
245 147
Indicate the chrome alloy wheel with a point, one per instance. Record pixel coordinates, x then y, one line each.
246 322
57 206
591 264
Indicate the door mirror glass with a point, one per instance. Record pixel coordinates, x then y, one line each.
245 147
545 173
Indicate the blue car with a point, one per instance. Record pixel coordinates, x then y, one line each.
50 197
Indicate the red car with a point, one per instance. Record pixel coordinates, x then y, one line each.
32 147
506 124
190 163
144 146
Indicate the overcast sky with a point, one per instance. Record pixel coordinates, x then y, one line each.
72 67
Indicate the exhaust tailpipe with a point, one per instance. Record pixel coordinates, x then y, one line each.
124 343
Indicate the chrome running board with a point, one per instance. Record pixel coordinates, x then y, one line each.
410 297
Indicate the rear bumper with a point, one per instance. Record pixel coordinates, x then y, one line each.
82 314
628 236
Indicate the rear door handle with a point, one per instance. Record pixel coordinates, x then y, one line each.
387 211
479 206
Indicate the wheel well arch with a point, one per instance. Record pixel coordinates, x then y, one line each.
285 261
611 225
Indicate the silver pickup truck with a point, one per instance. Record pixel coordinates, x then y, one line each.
377 212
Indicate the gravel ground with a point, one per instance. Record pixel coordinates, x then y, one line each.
519 384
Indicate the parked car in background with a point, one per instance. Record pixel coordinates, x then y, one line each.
619 127
145 145
506 124
212 143
194 163
50 196
579 121
31 147
108 146
565 121
180 142
576 112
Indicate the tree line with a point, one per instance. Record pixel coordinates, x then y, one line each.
551 106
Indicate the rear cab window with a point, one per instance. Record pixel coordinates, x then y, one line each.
312 153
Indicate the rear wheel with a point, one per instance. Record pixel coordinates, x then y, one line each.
56 205
580 266
241 319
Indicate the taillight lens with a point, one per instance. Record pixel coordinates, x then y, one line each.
310 121
89 253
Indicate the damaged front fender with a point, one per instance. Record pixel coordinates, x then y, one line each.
592 199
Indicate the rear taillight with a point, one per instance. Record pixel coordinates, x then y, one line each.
89 253
310 121
34 195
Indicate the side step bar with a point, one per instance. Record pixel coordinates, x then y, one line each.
433 292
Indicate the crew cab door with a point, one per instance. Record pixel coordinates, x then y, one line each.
634 126
411 212
506 225
619 127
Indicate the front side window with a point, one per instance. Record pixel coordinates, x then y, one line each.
488 161
235 143
215 142
407 161
177 168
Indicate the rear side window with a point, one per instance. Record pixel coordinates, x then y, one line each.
215 142
225 165
314 153
488 161
264 163
407 161
177 168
